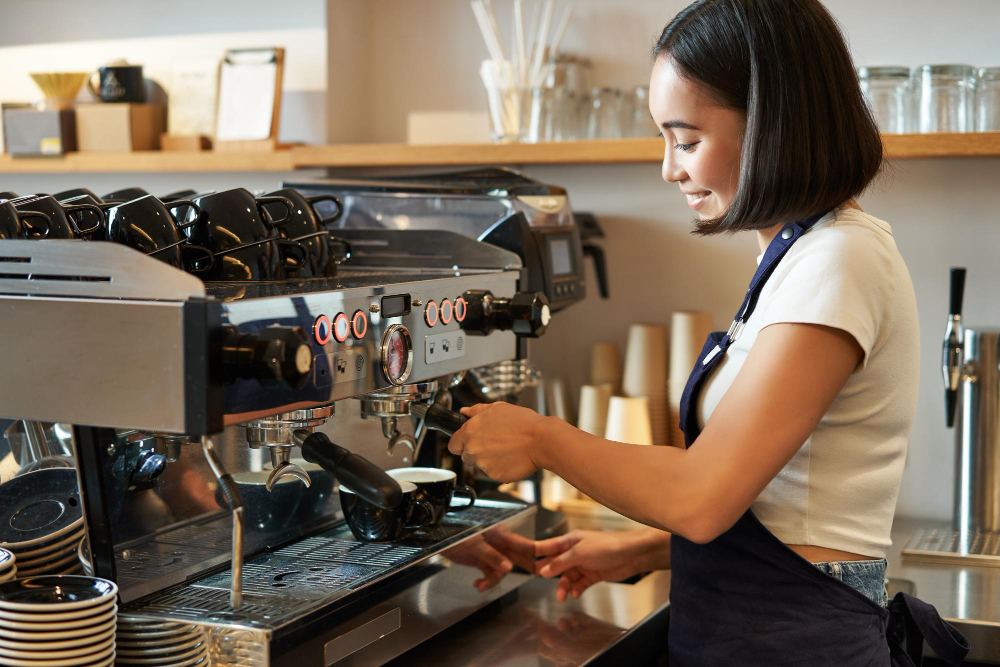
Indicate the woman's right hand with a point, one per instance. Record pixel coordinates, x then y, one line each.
583 558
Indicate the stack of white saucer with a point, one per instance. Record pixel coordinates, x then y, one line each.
145 641
8 566
57 621
55 553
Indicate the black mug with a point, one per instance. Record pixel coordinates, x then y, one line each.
125 194
371 523
303 227
437 487
243 236
76 194
119 83
15 224
148 225
66 221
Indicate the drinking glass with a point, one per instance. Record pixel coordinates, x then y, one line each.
988 99
947 98
887 91
605 119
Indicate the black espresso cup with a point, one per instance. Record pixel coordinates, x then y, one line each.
124 194
437 487
66 221
148 225
76 193
119 83
243 236
303 227
15 224
371 523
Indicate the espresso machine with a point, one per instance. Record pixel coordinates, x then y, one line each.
970 367
212 424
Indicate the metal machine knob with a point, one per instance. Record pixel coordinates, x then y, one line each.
274 354
527 314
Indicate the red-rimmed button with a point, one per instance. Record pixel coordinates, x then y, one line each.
461 308
359 324
341 327
447 311
431 313
322 330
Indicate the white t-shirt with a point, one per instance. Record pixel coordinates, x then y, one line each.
839 490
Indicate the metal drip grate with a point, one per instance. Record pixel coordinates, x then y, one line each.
288 583
934 545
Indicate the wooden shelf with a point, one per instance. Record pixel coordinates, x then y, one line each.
150 161
407 155
901 146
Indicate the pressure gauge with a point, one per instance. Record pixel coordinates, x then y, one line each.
397 354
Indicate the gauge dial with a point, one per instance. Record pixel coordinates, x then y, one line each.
397 354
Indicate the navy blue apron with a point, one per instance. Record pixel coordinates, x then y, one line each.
745 598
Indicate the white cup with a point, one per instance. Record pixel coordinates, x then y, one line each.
606 365
645 361
688 331
593 417
628 420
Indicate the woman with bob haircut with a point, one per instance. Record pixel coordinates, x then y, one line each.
775 518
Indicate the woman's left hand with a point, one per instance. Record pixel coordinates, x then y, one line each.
500 438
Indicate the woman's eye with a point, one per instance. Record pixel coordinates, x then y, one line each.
687 148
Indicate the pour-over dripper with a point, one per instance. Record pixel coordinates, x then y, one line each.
60 88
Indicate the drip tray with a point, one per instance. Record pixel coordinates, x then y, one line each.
931 545
283 585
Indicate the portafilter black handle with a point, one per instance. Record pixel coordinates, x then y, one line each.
438 418
357 473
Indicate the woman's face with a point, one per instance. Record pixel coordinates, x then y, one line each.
703 140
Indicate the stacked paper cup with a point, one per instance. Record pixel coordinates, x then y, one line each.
628 420
646 374
606 366
593 416
688 330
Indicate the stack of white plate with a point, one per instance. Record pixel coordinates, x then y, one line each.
8 566
41 522
143 641
57 621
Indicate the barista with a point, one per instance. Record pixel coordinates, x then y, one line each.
775 519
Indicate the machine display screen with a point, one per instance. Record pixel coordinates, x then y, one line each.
561 254
394 306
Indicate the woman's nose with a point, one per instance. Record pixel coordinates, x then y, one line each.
671 171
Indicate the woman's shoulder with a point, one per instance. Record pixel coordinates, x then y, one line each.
849 239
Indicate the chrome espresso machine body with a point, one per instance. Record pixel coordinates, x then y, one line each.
190 401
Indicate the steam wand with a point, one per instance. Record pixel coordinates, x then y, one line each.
951 350
232 495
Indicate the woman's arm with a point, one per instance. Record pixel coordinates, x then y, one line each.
787 383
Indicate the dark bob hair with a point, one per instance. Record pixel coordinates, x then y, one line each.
811 142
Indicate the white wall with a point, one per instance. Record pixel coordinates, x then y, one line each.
424 54
60 35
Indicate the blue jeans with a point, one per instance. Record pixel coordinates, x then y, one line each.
865 576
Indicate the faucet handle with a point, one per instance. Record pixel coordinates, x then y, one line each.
957 290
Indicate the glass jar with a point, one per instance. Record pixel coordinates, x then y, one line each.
947 98
638 122
887 91
988 99
605 118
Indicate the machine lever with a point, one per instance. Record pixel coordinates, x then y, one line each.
357 473
438 418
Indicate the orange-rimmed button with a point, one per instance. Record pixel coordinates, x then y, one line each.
359 324
461 308
322 330
431 313
341 327
447 311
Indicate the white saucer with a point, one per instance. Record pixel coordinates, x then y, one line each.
161 636
42 615
44 539
106 646
160 649
38 568
106 657
28 594
193 655
44 643
61 544
59 635
42 625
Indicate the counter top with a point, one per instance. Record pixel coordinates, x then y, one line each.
966 596
610 622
